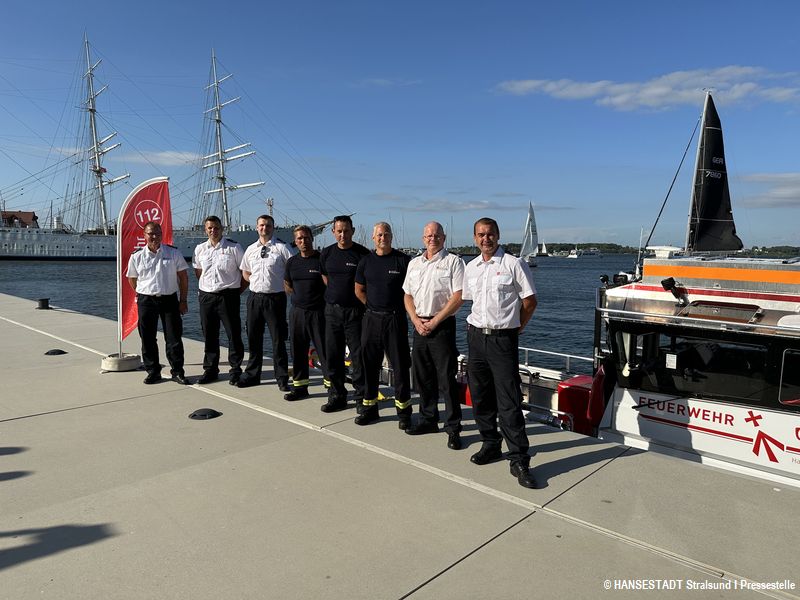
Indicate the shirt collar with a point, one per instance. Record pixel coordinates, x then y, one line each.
438 256
496 257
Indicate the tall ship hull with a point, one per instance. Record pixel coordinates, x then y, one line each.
55 244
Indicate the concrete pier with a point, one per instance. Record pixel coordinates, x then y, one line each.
108 490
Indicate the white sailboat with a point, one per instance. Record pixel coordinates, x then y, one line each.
543 250
530 239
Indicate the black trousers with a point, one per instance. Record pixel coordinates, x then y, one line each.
153 309
306 326
215 308
435 363
269 310
343 326
386 334
494 383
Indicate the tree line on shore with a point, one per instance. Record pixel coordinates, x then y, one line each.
606 248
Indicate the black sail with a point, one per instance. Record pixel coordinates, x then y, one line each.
711 226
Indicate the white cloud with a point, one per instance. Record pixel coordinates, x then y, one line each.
731 84
165 158
382 82
783 191
448 206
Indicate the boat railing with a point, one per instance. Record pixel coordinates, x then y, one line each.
698 322
563 358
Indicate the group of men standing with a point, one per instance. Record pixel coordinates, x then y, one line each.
348 296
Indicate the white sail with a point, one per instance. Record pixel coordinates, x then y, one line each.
530 238
543 251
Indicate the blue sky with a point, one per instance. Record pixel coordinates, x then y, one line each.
412 111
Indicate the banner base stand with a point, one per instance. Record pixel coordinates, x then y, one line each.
117 363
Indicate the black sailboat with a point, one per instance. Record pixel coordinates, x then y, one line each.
711 227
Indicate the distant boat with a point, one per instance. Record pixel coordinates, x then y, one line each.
543 250
575 253
530 239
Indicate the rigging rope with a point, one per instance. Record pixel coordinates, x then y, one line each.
669 191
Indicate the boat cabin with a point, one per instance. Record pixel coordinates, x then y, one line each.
703 357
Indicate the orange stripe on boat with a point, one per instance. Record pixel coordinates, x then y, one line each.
723 274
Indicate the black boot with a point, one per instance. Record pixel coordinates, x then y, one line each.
368 415
521 470
488 453
297 393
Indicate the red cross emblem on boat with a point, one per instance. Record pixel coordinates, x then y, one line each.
753 418
763 439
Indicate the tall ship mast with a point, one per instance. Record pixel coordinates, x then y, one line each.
82 229
96 150
216 186
220 157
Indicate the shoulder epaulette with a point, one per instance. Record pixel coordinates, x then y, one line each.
171 246
137 250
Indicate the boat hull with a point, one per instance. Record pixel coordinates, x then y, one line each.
704 354
53 244
756 439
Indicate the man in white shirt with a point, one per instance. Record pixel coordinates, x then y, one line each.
432 297
263 266
157 273
503 300
216 264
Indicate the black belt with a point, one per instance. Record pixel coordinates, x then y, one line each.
498 332
222 291
269 293
157 295
384 313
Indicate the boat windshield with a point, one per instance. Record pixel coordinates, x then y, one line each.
760 371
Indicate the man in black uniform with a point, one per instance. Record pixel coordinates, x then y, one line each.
303 283
343 313
379 285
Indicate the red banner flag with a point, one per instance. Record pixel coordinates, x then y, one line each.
149 201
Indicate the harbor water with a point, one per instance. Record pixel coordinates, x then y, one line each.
563 320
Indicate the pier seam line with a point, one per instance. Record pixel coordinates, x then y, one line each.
55 337
474 485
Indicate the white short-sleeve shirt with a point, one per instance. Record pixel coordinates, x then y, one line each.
266 264
496 288
431 283
220 265
156 272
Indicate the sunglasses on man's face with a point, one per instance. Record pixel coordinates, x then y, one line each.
263 251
